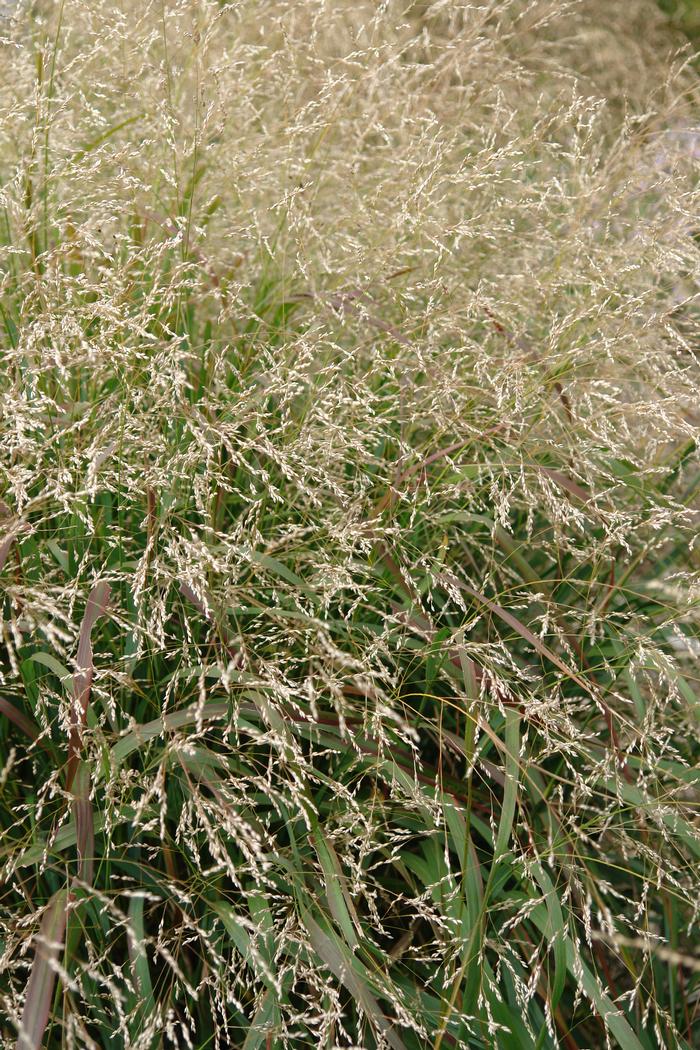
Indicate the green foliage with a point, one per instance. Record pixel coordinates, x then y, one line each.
685 14
349 476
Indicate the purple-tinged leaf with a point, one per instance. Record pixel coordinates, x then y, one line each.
82 680
84 822
566 483
28 727
49 945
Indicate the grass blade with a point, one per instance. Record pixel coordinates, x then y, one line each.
84 822
82 680
344 966
22 721
510 793
49 944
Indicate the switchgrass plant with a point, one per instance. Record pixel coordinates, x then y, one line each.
349 478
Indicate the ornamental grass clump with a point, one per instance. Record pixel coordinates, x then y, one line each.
349 470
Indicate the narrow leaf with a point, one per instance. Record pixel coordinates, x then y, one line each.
342 966
523 631
612 1017
84 822
49 944
28 727
82 680
139 960
510 792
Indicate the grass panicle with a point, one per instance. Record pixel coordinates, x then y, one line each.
349 482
